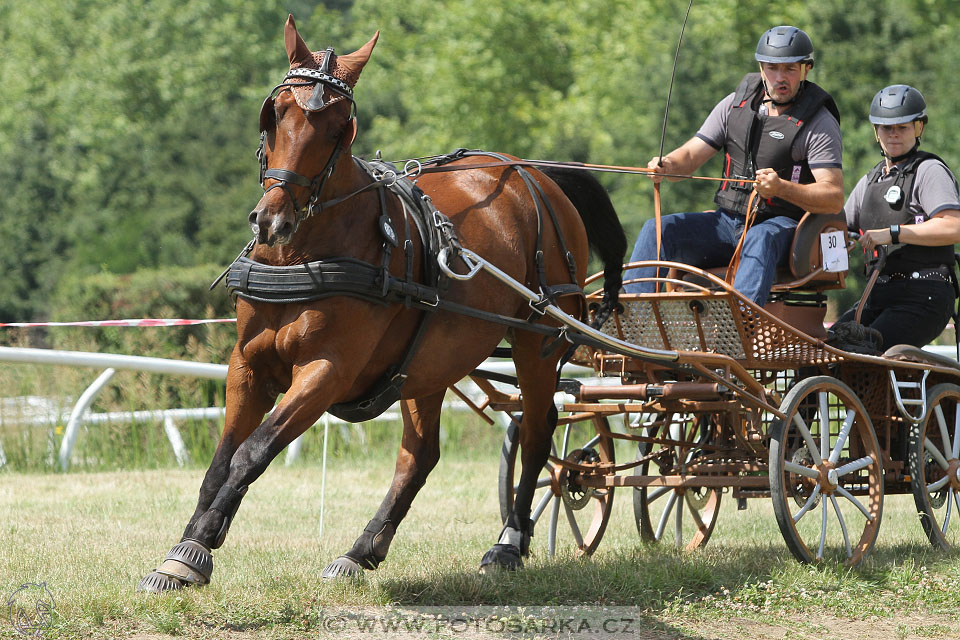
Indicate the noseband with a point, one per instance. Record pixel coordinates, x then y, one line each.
284 177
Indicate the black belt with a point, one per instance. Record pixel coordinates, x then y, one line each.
940 274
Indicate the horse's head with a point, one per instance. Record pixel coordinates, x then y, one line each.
306 124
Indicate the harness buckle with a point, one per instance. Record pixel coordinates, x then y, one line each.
737 183
540 305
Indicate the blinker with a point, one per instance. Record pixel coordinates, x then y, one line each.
266 113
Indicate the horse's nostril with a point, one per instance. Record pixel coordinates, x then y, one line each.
254 226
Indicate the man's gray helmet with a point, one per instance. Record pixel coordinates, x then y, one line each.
898 104
785 44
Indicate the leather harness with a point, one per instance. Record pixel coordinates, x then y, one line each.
346 276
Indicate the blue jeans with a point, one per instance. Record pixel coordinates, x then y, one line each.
708 239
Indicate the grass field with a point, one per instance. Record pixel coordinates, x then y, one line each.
91 536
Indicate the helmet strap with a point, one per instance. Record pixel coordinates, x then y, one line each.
896 159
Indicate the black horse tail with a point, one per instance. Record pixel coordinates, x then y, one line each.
605 234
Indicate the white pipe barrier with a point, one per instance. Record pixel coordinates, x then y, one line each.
86 398
114 361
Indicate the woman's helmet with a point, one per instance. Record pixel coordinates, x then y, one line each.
898 104
785 44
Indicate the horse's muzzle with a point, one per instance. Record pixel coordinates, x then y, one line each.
271 228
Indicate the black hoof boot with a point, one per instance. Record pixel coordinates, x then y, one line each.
501 556
188 563
342 567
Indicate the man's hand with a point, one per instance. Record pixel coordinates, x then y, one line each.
655 166
769 184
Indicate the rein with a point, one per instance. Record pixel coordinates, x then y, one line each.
429 166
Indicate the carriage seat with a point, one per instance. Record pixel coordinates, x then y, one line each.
797 296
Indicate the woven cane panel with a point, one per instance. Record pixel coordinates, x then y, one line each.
719 329
638 324
772 344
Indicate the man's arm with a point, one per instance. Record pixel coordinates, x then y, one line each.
683 160
824 195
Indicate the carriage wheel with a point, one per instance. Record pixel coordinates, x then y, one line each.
826 477
685 516
934 446
576 516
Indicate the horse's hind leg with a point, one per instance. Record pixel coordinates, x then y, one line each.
537 380
419 453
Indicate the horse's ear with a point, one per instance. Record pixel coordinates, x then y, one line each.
297 50
353 62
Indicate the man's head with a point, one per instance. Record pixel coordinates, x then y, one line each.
898 114
785 55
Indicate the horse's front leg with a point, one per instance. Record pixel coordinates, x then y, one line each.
419 453
302 405
189 561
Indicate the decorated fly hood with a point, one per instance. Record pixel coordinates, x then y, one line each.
317 80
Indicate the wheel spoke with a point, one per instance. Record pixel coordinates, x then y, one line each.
697 520
823 529
544 501
824 425
942 423
856 465
946 518
678 528
594 440
849 496
955 451
566 441
801 470
574 526
552 533
665 516
935 453
933 487
843 526
842 438
657 493
805 432
956 499
811 501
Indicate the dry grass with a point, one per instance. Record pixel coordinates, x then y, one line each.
91 536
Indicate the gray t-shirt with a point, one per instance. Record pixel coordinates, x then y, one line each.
934 190
819 142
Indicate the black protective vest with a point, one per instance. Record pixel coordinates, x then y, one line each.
755 142
877 213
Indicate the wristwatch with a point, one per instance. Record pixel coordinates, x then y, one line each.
894 234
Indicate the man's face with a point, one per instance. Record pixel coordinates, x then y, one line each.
783 79
897 139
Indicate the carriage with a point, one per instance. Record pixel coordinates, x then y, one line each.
752 403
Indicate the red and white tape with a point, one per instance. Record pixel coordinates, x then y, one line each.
131 322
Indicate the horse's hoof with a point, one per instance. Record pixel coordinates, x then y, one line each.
188 563
342 567
155 582
501 556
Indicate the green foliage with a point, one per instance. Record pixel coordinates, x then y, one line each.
147 293
128 134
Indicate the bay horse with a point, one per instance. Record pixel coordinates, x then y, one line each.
377 324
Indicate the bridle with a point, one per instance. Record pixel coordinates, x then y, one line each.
284 177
